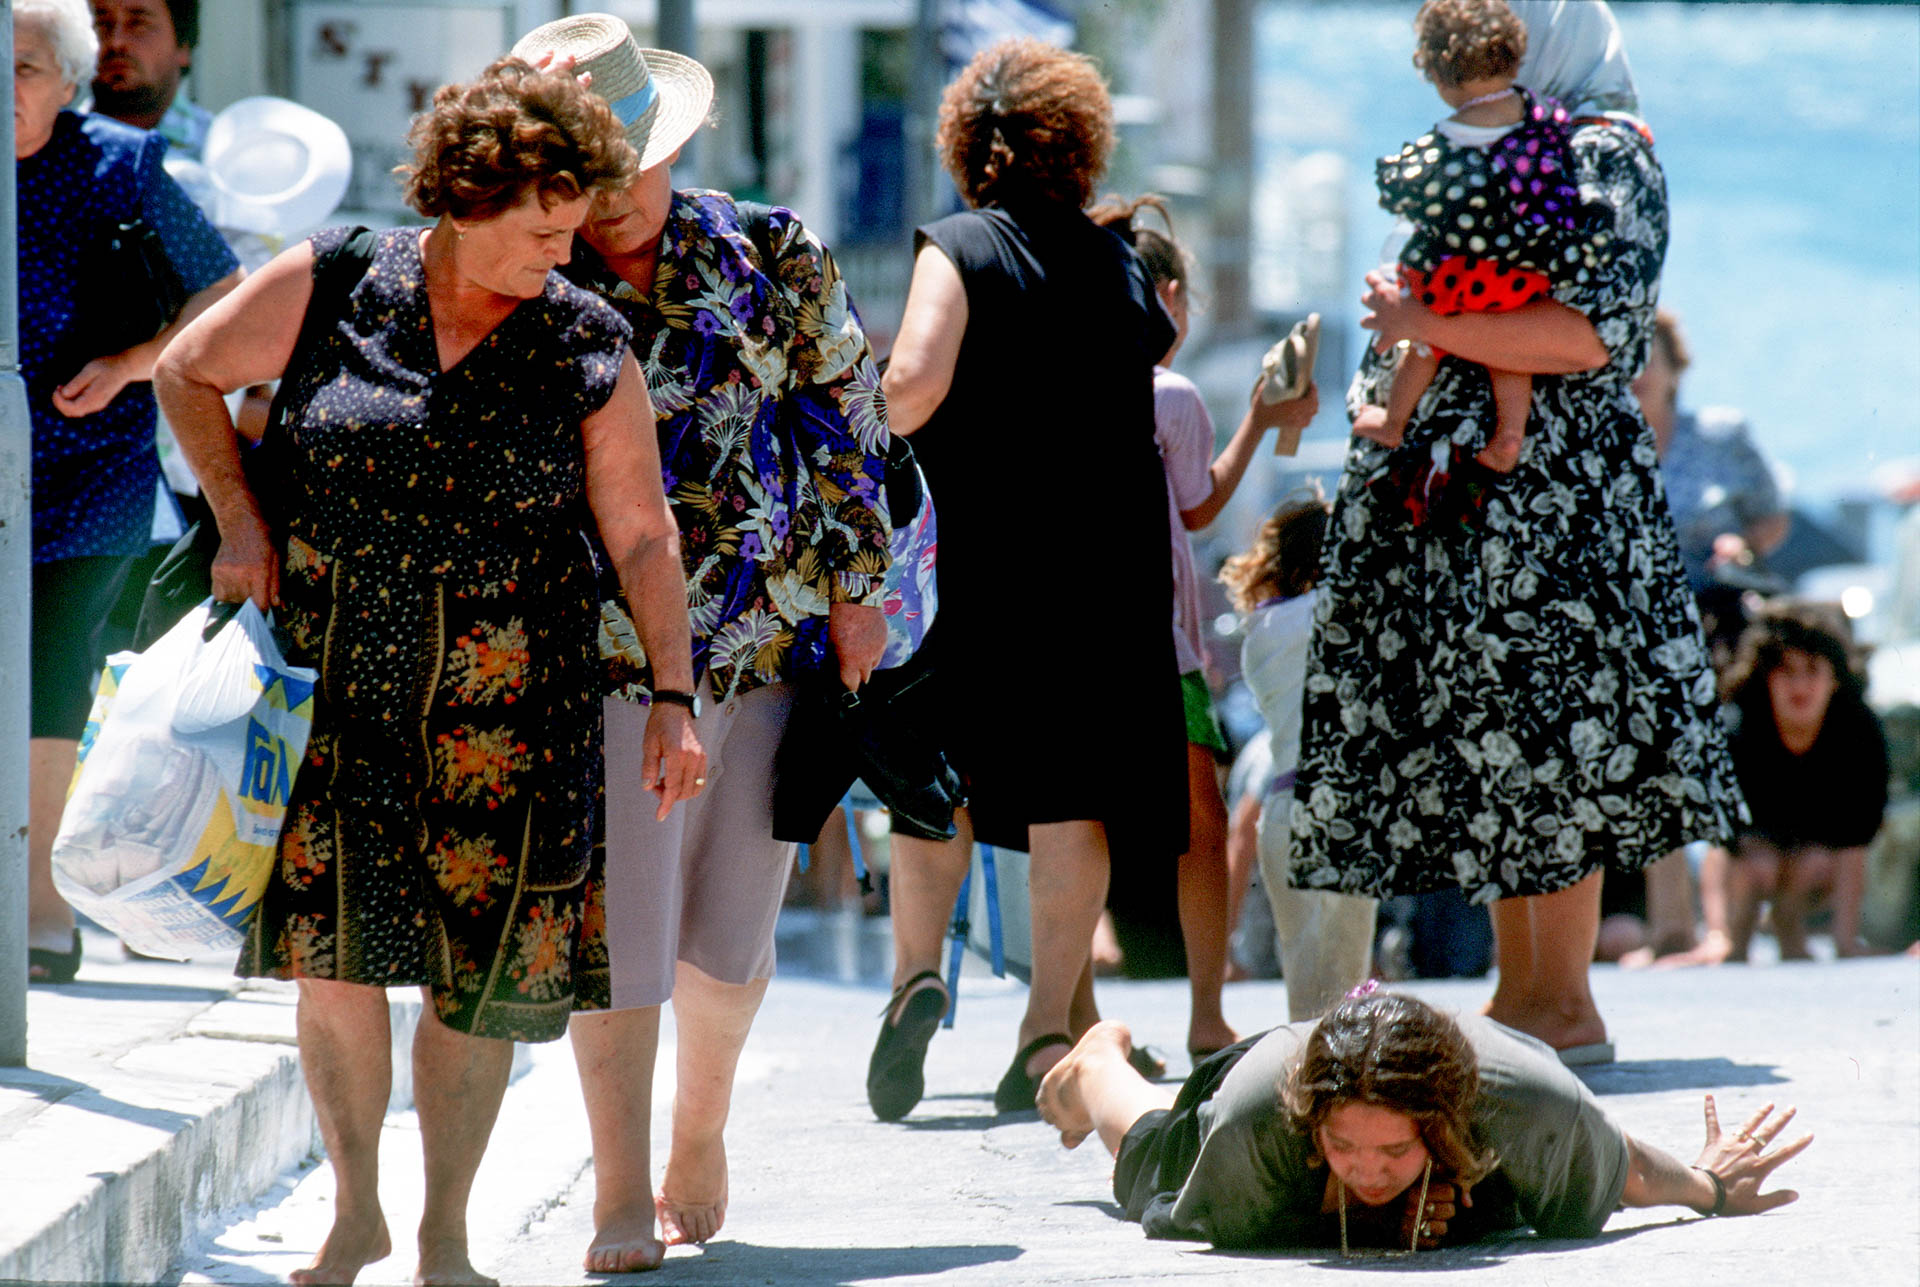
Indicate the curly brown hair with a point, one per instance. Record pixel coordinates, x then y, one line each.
1026 119
489 142
1159 253
1389 1049
1817 629
1285 554
1456 41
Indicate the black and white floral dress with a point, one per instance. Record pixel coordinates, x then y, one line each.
1513 703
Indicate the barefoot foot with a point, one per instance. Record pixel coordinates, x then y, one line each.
444 1263
693 1193
624 1242
1061 1103
351 1245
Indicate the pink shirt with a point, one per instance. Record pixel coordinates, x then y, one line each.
1184 432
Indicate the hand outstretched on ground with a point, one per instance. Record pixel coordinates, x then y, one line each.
1742 1163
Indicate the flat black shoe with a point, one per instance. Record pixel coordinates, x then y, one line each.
44 965
896 1075
1017 1090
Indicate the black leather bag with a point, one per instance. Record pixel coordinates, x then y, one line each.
130 292
185 576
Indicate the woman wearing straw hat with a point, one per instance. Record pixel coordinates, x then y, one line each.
773 445
446 440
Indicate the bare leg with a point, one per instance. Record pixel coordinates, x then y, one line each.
49 773
1849 892
1387 425
1067 886
1513 982
1751 878
615 1051
1670 904
1243 855
1512 401
923 880
345 1036
1084 1011
458 1082
1802 875
1094 1089
1203 896
711 1021
1558 1006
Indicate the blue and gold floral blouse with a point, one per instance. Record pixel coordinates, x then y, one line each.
773 440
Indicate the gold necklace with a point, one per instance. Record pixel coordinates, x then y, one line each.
1419 1214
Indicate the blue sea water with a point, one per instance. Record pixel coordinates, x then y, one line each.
1790 136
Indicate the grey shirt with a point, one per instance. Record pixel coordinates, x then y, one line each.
1251 1185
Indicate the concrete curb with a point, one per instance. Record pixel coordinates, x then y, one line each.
119 1150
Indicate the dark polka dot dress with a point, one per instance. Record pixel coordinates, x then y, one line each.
441 829
1494 226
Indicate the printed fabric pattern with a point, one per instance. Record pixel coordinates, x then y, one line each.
1513 705
441 829
773 443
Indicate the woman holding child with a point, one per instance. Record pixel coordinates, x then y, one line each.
1508 690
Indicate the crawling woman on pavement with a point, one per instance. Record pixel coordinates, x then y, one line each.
1393 1127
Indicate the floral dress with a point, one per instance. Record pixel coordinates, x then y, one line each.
440 831
1512 704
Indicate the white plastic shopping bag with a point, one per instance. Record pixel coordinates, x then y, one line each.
186 765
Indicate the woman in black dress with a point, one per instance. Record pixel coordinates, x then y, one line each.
1024 372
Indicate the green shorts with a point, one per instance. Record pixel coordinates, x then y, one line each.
1203 725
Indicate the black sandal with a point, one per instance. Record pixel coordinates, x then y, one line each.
54 967
1017 1090
896 1074
1148 1062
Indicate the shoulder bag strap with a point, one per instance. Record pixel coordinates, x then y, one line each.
335 273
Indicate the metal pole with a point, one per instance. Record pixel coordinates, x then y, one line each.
923 110
16 581
674 28
1231 313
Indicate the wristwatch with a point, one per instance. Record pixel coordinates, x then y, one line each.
677 697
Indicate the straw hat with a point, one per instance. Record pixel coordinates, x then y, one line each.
276 167
660 96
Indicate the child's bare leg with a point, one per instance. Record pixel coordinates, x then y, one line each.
1386 425
1512 402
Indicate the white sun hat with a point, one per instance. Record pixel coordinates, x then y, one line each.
277 168
659 96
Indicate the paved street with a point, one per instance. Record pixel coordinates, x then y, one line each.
823 1194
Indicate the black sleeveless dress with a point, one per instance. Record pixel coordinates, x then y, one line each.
1058 691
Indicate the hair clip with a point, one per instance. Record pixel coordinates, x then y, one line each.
1366 989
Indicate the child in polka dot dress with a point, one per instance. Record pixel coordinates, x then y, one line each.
1495 211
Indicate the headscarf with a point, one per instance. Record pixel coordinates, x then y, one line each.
1575 55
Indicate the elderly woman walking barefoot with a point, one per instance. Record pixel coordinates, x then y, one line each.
772 438
449 441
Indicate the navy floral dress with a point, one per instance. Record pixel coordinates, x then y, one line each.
1510 705
435 572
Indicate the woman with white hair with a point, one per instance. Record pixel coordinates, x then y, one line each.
94 467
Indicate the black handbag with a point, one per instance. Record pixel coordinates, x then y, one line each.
129 292
184 577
